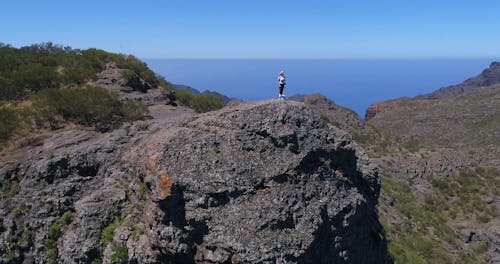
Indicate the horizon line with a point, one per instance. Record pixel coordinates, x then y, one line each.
339 58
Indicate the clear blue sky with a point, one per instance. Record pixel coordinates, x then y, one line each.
261 29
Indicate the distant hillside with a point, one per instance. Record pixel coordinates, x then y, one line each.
488 77
464 120
446 155
224 99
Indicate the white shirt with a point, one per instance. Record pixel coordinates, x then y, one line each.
281 79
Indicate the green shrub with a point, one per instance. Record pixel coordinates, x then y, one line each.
9 123
134 110
35 76
89 106
54 232
8 90
120 255
108 233
479 247
128 74
412 145
423 234
403 254
200 103
141 191
484 218
443 186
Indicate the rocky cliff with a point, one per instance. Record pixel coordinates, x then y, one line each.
265 183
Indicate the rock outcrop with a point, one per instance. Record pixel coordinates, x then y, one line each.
132 88
264 183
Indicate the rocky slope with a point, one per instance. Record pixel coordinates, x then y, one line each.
265 183
445 146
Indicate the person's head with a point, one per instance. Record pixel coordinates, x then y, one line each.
282 73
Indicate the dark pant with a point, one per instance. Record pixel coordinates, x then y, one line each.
282 86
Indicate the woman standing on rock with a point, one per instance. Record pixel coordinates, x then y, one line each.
281 84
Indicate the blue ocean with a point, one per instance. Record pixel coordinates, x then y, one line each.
351 83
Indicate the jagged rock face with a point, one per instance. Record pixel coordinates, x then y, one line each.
271 183
72 171
265 183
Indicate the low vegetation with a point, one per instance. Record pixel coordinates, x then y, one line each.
200 103
422 235
44 86
17 241
9 123
108 233
53 107
32 68
89 106
55 231
465 195
120 255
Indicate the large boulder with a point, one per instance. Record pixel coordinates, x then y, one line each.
265 183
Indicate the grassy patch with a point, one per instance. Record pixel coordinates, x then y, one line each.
141 191
55 231
18 240
120 255
462 194
423 235
200 103
108 233
412 145
89 106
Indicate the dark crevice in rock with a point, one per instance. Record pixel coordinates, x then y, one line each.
322 249
280 224
11 173
174 207
93 255
281 178
198 230
57 169
342 161
180 258
286 140
263 133
87 169
62 168
218 199
282 141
